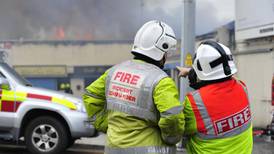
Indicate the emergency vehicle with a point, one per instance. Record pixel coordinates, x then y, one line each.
47 121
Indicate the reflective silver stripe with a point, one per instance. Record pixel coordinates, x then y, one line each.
209 125
93 95
144 106
132 110
141 150
203 111
108 78
240 83
172 111
235 132
245 89
93 118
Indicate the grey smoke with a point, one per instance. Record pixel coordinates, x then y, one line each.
103 19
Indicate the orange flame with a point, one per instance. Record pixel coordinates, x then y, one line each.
60 33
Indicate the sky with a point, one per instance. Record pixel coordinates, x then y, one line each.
209 13
102 19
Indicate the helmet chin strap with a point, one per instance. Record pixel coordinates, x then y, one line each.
163 61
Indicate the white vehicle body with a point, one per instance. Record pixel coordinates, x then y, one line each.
21 103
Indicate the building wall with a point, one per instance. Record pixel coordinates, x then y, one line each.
255 62
76 63
69 55
77 86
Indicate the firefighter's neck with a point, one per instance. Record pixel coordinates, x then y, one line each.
159 64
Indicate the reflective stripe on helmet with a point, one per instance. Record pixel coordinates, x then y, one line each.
141 150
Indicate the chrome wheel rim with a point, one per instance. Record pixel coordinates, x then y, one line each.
45 137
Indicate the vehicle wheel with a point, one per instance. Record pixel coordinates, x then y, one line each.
46 135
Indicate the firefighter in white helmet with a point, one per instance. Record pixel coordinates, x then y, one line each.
143 113
218 118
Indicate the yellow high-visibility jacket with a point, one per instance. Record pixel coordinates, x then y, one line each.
125 131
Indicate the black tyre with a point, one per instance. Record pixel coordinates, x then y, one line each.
46 135
71 142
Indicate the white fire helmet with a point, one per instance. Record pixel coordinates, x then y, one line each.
154 39
213 61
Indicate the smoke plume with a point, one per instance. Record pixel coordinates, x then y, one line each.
89 19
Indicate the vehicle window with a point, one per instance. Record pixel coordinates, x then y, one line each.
2 75
15 75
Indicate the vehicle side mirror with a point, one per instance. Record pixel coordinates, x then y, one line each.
4 84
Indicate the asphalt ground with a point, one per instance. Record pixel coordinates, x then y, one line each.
260 147
75 149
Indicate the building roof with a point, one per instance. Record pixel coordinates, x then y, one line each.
208 35
230 26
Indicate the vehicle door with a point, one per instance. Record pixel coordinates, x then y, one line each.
8 104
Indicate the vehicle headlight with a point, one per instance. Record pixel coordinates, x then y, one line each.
80 107
78 103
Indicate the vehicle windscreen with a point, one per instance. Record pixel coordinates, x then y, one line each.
19 79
